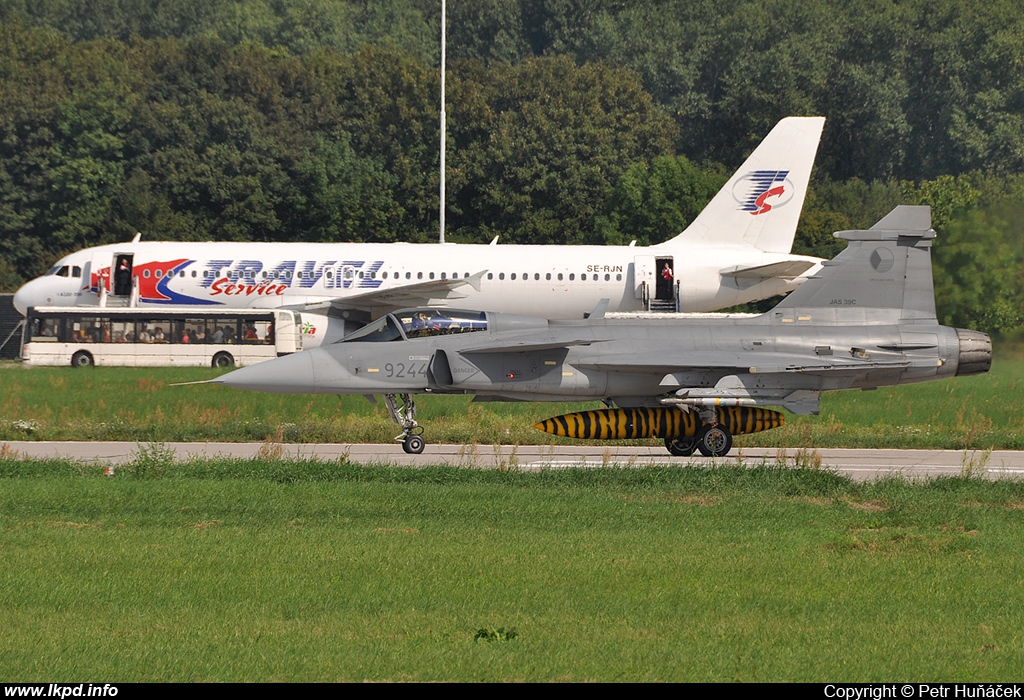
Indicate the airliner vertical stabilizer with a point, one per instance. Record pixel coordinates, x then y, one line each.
760 205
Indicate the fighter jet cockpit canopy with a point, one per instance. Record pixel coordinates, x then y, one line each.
419 323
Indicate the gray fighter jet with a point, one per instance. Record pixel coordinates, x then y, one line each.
866 320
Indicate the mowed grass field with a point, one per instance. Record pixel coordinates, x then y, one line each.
309 571
62 403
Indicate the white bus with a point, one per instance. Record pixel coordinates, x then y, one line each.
83 336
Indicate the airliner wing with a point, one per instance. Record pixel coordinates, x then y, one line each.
384 300
787 269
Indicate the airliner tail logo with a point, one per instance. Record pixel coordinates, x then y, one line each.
754 190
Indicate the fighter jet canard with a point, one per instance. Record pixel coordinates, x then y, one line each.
865 320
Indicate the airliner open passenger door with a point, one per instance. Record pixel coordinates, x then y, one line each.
644 280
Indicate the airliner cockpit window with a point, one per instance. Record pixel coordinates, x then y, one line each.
420 323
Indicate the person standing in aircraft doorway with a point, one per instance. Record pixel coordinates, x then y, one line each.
666 282
123 278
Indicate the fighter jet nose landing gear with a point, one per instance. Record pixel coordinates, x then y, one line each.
404 415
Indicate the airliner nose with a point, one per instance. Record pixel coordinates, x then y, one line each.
28 295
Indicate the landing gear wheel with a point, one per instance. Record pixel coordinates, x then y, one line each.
82 358
681 447
413 444
714 441
402 410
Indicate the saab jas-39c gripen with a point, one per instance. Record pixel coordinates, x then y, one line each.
866 320
737 250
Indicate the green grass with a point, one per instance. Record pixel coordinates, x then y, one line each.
139 405
309 571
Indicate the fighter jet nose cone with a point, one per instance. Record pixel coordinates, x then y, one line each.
291 374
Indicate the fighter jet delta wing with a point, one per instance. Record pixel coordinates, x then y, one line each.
527 345
754 363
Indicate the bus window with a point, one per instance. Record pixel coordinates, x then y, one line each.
44 329
121 330
196 330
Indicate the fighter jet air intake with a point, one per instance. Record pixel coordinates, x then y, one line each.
866 319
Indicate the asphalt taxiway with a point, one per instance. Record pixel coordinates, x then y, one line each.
858 464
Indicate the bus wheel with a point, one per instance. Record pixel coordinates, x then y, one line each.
82 358
223 359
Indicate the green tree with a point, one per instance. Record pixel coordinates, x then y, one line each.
652 203
559 137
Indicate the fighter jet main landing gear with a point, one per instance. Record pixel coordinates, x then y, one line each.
712 439
681 447
404 415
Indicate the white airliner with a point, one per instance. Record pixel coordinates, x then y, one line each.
737 250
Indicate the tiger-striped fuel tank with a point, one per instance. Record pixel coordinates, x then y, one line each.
629 423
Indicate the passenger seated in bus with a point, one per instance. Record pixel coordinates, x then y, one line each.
185 337
249 335
218 336
200 336
158 335
145 336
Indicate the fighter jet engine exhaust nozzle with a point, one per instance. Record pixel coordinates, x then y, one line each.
975 352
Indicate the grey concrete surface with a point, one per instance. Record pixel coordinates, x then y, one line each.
855 463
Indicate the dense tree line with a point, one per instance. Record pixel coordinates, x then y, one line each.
569 121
